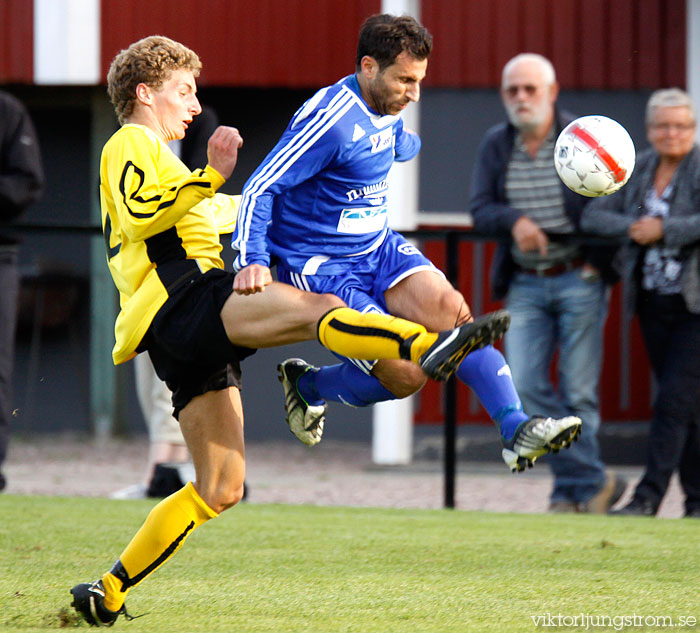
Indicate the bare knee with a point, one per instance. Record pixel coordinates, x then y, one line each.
455 309
329 302
224 497
229 498
429 299
400 377
223 489
447 310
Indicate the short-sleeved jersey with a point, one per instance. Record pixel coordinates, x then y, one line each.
161 226
319 197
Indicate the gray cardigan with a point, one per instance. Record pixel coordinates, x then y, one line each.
612 215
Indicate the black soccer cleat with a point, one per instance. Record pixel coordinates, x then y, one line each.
305 421
89 601
445 355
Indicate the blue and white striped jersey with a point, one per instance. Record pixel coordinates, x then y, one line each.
319 197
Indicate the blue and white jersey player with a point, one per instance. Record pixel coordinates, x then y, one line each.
318 202
323 188
318 205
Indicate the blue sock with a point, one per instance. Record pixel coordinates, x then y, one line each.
342 383
488 374
306 386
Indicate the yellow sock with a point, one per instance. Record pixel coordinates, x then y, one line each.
162 534
371 335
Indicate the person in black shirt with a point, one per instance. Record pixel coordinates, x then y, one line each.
21 184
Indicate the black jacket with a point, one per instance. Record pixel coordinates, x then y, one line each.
21 172
612 216
493 215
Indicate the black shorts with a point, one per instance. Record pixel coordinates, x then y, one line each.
187 341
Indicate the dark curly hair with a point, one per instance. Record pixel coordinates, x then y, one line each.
384 37
149 61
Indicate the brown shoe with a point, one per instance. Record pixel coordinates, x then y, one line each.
609 495
561 507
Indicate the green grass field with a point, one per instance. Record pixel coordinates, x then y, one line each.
278 569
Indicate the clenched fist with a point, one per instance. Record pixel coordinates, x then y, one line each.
222 149
252 279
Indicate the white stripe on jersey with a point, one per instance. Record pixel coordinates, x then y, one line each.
363 365
299 281
288 155
308 107
320 118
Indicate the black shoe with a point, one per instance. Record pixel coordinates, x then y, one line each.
305 420
3 482
167 479
89 601
637 507
445 355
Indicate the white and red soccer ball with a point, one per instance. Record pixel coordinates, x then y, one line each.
594 156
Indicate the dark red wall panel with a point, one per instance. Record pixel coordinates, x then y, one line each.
476 23
563 48
591 50
504 33
16 41
535 30
674 45
296 43
649 45
621 33
594 44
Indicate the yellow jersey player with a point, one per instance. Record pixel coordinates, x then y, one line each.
161 225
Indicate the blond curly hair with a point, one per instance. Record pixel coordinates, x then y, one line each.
151 61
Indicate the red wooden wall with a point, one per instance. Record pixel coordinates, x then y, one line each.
594 44
295 43
16 41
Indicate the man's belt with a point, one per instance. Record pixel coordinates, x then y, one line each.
555 269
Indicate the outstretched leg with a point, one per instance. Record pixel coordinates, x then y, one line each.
213 428
427 298
283 314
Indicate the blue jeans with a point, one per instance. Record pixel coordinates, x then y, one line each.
564 313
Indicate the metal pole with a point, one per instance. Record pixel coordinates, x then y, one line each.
450 427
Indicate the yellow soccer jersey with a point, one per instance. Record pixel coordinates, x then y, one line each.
161 225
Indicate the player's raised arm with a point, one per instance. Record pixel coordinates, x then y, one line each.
150 200
222 149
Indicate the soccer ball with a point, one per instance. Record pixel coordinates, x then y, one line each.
594 156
